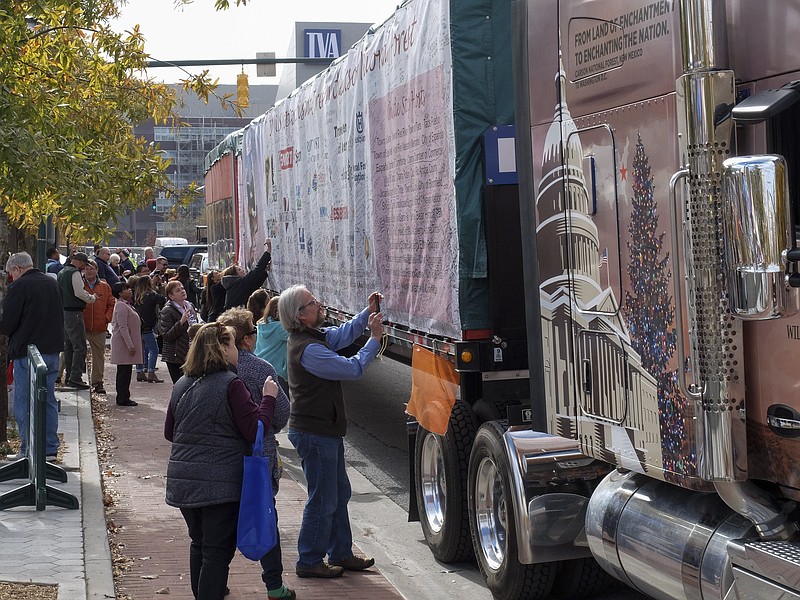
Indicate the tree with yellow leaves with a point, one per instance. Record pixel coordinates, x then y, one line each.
71 90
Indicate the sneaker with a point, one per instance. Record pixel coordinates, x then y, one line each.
127 403
282 592
17 456
354 563
322 570
78 384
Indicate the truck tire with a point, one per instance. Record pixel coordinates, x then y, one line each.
493 522
441 479
583 578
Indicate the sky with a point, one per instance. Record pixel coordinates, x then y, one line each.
197 31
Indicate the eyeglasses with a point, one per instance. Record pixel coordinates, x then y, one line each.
314 302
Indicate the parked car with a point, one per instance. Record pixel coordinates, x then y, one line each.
181 255
198 267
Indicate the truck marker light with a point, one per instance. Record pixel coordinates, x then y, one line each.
466 356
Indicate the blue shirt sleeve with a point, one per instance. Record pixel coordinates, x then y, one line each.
344 335
325 363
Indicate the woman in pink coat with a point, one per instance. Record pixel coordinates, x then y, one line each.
126 341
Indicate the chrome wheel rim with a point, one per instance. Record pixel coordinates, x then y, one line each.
433 483
490 514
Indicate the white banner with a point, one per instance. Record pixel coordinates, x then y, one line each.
352 177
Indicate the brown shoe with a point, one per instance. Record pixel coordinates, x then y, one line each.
354 563
141 376
153 378
322 570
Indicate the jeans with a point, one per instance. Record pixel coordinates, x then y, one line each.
272 563
150 348
74 345
326 524
212 530
21 407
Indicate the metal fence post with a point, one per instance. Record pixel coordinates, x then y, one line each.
34 466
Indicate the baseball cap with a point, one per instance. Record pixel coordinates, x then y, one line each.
80 256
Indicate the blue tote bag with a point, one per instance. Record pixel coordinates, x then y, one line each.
257 531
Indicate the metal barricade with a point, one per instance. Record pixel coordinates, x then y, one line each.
34 465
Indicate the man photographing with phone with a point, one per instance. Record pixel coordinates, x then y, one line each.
318 423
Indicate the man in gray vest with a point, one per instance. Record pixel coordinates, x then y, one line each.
318 423
74 298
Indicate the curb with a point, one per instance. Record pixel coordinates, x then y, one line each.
96 551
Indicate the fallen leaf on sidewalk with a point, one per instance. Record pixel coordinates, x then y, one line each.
149 576
144 558
163 591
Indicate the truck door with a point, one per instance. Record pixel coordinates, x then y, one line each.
594 270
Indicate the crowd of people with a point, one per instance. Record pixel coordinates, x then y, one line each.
234 360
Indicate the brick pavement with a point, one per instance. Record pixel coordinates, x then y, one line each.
154 534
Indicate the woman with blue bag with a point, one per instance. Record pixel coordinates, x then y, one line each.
254 371
212 423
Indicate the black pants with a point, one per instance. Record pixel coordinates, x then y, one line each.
272 564
212 530
175 371
123 382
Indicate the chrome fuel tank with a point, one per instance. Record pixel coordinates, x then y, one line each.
663 540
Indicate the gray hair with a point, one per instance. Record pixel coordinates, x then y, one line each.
289 305
22 260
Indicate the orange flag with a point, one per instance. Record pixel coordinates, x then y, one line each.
434 385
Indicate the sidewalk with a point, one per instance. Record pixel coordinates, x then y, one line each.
70 547
56 545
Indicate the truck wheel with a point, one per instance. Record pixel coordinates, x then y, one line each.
441 479
583 578
492 523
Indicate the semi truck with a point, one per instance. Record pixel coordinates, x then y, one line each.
589 208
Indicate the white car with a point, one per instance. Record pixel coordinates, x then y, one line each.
198 267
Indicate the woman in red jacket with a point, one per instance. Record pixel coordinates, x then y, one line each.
96 317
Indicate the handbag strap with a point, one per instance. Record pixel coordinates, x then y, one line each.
258 445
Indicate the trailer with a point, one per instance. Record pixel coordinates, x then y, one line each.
588 207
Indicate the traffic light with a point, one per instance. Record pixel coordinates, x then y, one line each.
242 91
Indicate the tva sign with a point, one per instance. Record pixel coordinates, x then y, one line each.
323 43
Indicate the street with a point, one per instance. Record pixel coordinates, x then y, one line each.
376 446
